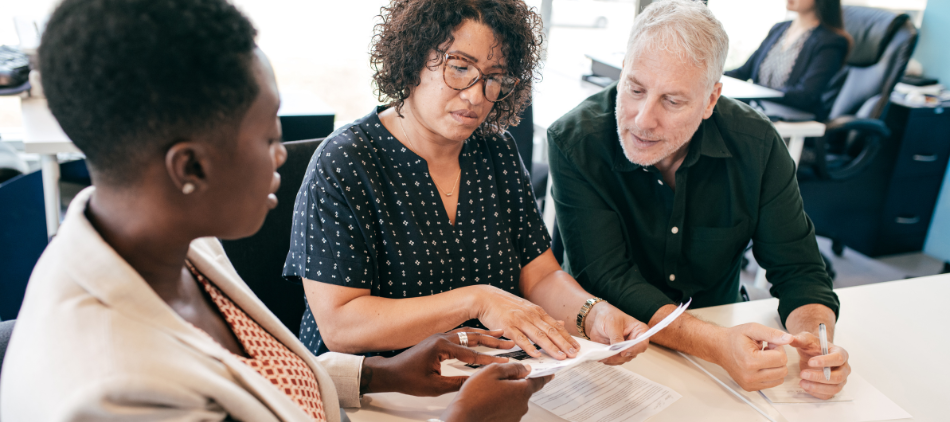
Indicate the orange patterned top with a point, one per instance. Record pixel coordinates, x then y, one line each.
269 357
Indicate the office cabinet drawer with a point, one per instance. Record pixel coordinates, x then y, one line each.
910 206
894 244
925 148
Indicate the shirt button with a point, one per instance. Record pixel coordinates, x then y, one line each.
659 181
675 230
672 277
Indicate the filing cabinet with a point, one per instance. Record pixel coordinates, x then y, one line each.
924 149
887 208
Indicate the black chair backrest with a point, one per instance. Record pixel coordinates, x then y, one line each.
883 44
22 238
259 259
524 136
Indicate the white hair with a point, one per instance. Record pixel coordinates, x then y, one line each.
683 27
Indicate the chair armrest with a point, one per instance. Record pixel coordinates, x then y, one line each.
848 123
872 131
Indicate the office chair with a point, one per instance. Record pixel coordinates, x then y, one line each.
22 238
259 259
524 137
838 172
859 93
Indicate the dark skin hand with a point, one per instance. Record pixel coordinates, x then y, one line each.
417 371
498 393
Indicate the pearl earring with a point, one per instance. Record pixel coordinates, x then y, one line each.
187 188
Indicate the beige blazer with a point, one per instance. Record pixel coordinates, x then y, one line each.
94 342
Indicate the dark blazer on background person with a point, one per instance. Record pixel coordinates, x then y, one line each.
820 59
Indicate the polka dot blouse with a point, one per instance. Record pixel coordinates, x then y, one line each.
368 216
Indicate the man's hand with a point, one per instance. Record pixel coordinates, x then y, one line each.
608 325
741 355
418 370
498 392
813 363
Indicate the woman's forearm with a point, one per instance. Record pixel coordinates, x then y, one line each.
367 323
560 296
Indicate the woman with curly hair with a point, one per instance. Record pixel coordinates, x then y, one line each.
134 312
419 217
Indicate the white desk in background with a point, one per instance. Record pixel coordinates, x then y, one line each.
43 136
891 331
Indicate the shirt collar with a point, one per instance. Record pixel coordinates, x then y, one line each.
706 141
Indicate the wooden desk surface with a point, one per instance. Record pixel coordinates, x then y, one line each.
895 332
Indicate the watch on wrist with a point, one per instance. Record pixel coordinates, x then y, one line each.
582 315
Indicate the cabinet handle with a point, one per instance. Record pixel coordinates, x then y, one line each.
907 220
925 158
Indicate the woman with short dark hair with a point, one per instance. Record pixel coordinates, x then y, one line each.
420 217
134 312
800 57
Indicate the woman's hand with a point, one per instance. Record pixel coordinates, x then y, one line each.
498 393
608 325
524 322
418 370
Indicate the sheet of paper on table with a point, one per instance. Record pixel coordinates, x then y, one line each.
791 392
592 391
590 351
867 403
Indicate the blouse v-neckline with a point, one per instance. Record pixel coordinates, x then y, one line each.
416 160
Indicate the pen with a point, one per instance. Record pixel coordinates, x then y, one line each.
823 337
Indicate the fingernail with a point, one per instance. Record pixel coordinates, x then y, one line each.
572 350
787 337
561 353
814 362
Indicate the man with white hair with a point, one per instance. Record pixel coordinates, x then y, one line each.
659 184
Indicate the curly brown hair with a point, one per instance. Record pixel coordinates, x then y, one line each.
411 29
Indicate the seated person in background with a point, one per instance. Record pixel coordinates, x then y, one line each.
659 184
134 312
420 216
799 57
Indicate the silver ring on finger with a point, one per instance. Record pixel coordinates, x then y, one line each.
463 339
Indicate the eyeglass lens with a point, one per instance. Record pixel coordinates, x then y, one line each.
461 74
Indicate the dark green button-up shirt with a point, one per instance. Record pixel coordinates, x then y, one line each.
640 245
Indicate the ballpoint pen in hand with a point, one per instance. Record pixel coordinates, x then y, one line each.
823 337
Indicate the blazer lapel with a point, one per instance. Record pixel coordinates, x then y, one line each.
209 257
98 269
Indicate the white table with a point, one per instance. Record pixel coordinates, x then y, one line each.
891 330
45 137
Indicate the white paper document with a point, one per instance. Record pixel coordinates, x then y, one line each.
791 392
868 404
861 401
590 351
593 392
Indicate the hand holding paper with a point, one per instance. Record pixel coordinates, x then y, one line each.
590 351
